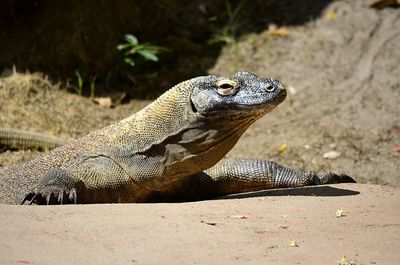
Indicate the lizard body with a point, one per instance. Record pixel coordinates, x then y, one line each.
165 152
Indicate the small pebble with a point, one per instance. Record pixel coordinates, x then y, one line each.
332 155
292 90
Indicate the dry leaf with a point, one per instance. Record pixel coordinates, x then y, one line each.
238 216
274 30
339 213
344 261
103 101
208 223
330 15
282 148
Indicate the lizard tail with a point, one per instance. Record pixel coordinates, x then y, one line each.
20 139
332 178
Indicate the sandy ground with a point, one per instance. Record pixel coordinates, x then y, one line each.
256 229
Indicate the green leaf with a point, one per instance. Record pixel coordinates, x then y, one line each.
131 39
154 48
148 55
129 61
133 50
123 46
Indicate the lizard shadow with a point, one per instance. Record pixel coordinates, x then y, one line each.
320 191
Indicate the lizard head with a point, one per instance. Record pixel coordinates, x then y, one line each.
241 95
194 124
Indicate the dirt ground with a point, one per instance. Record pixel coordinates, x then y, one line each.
273 228
342 72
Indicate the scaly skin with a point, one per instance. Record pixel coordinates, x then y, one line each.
20 139
165 152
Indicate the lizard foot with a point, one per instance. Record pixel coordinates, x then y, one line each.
54 187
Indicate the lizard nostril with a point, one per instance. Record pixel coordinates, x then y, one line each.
282 86
226 87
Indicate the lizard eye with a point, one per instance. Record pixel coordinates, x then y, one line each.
226 87
270 88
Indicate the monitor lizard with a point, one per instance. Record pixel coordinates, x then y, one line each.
168 151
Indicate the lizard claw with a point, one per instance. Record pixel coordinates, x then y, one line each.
72 195
51 195
48 198
31 196
60 197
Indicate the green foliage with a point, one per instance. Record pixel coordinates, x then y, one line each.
132 48
80 83
227 34
92 86
79 79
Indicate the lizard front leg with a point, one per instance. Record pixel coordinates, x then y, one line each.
93 179
55 186
243 175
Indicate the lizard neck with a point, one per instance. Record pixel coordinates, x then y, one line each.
173 137
161 119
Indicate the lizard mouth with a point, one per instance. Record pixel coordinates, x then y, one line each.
269 104
194 109
255 105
